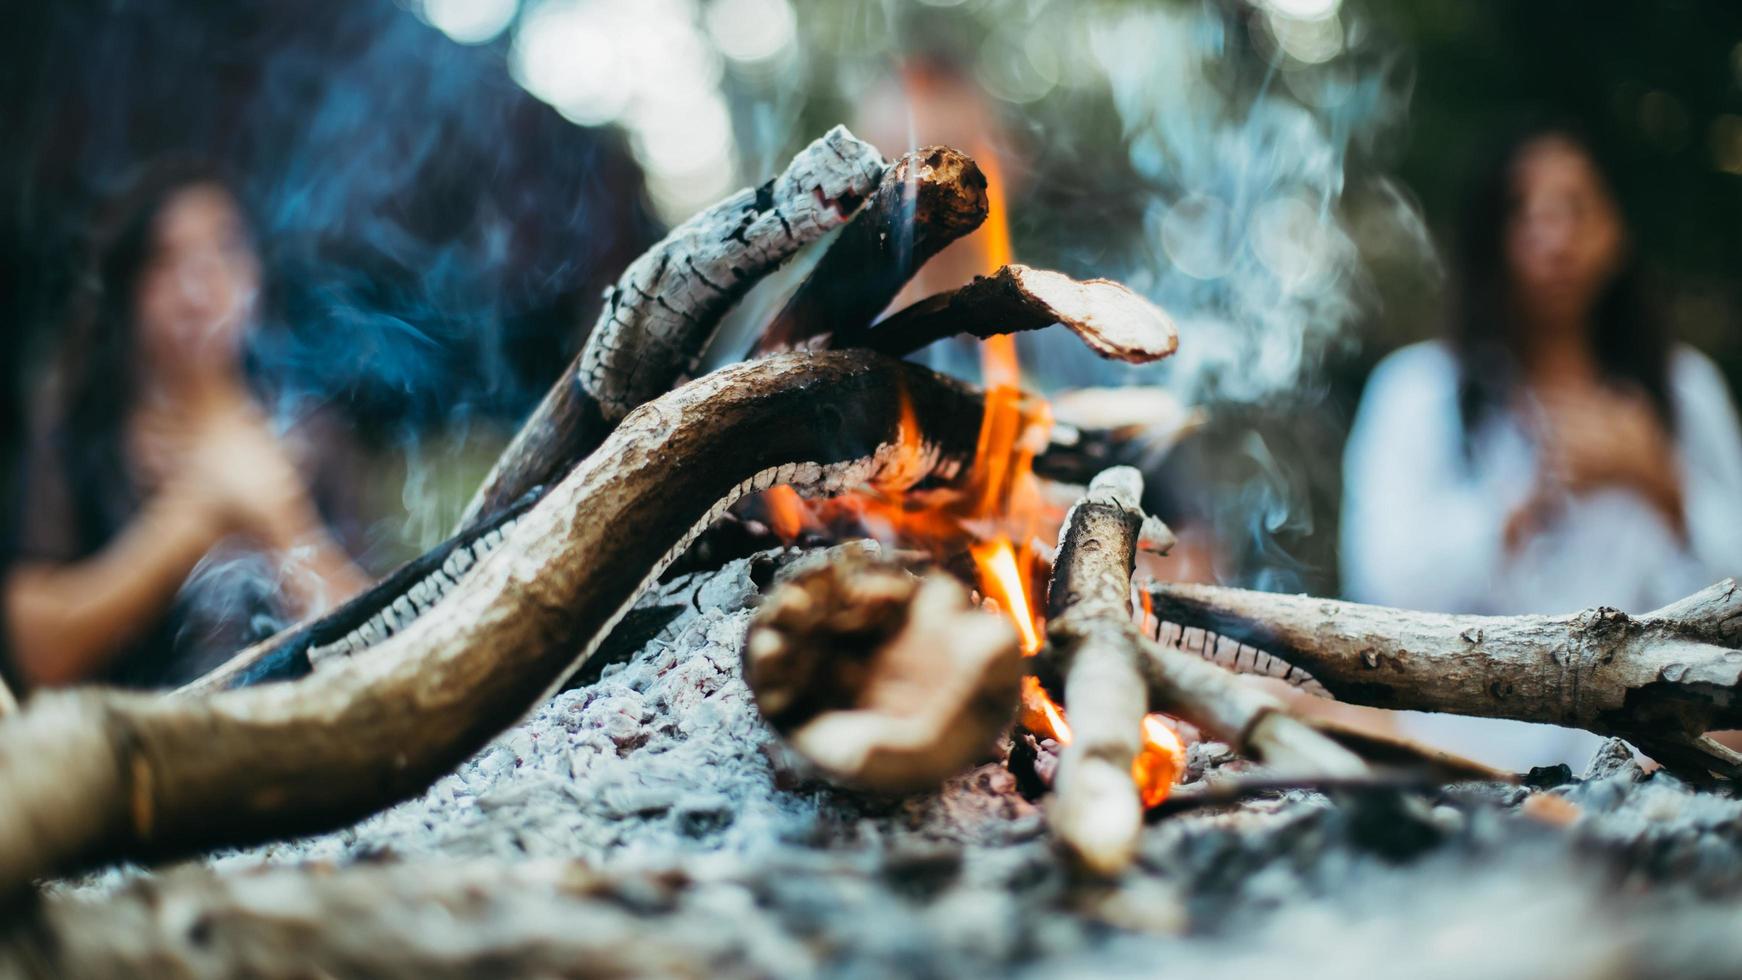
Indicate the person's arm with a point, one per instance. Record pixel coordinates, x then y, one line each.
67 621
1417 531
1710 462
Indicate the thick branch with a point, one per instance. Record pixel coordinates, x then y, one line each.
882 680
668 304
926 200
1114 321
90 775
656 320
1660 680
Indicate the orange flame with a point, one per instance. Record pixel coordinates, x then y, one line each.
1001 579
1159 762
786 513
998 514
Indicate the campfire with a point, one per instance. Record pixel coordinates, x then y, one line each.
998 616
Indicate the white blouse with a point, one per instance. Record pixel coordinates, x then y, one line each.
1422 521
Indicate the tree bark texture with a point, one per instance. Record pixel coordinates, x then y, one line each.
1660 680
926 200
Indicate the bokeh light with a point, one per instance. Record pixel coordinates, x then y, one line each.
648 66
470 21
751 30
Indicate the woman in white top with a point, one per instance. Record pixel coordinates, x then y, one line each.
1555 451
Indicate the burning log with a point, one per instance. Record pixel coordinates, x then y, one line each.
1661 680
657 319
926 200
90 775
1112 674
667 305
883 680
1115 322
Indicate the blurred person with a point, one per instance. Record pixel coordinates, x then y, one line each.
164 522
1555 450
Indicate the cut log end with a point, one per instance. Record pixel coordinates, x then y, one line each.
1115 322
883 681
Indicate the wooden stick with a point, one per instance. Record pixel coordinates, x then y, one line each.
1115 322
926 200
883 680
1661 680
89 775
667 305
1239 789
1112 674
1097 814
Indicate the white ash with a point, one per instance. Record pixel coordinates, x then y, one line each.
662 767
661 757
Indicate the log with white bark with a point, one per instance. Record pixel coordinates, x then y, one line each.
1661 680
93 775
667 305
927 199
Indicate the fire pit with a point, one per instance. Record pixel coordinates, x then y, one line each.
981 745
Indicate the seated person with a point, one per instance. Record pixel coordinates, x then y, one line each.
1555 451
164 523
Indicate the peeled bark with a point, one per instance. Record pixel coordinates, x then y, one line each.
1115 322
1661 680
93 775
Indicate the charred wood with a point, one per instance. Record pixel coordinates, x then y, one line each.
667 305
926 200
656 320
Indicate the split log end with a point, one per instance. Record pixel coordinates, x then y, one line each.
1115 322
883 681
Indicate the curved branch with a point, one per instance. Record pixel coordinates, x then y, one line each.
91 775
656 321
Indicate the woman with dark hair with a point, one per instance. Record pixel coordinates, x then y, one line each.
1555 451
164 519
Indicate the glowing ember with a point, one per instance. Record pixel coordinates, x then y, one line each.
786 513
1159 763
